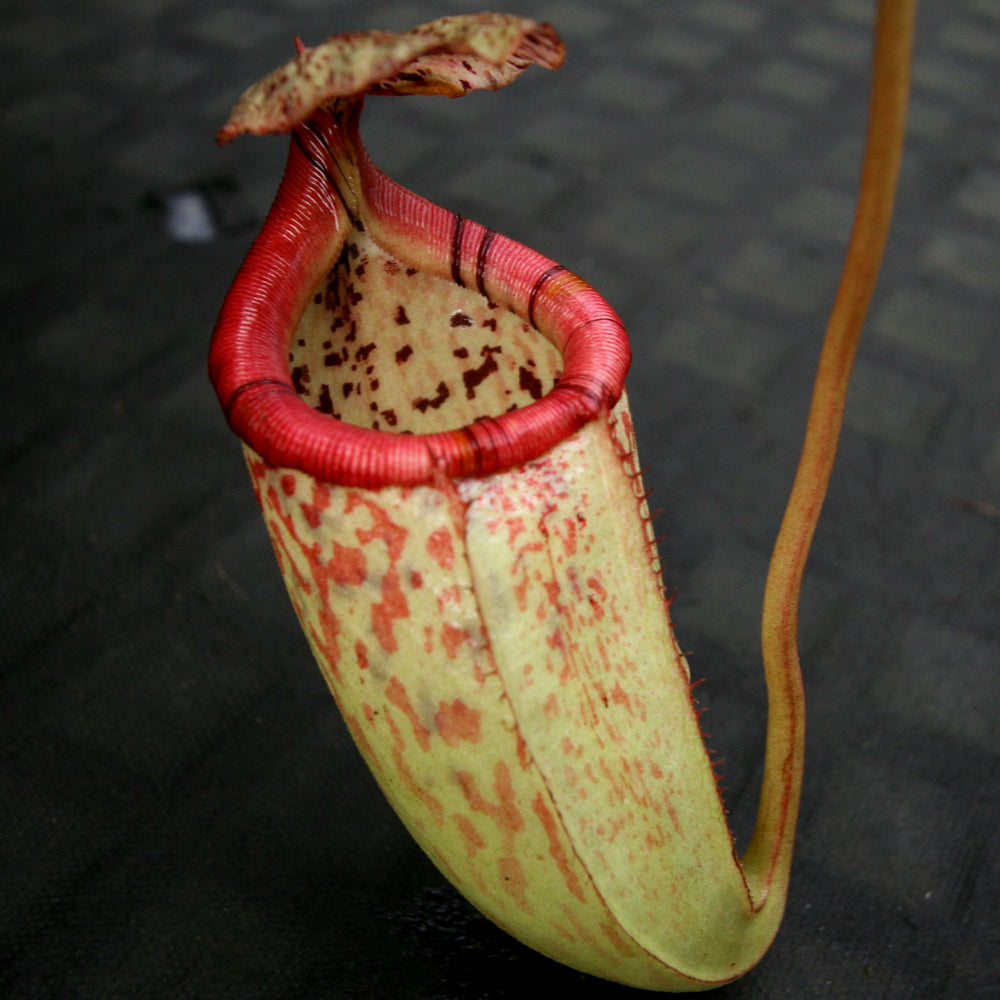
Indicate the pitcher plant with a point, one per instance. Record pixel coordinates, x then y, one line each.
436 427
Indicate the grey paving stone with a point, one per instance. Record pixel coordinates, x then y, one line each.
795 81
845 809
980 194
729 15
926 692
929 120
148 68
235 27
750 125
859 11
972 39
50 34
968 258
496 182
61 116
630 92
891 407
777 274
940 326
719 345
580 24
833 44
842 160
992 462
986 8
623 227
699 172
577 142
944 75
690 50
821 213
68 341
151 9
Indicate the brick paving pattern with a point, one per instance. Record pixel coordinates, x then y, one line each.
181 811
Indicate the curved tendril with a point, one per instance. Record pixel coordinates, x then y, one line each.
768 857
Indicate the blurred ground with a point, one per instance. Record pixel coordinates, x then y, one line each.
181 811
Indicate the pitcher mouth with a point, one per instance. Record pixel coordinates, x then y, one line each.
304 365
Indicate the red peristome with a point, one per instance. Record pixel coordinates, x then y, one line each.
296 247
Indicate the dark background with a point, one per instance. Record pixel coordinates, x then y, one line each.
181 811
